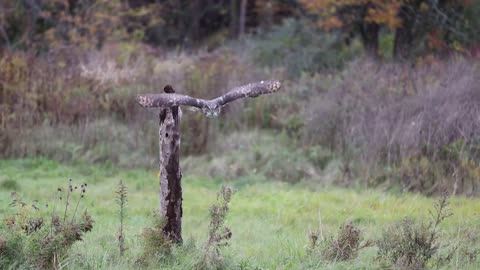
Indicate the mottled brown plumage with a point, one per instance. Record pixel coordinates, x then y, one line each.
171 99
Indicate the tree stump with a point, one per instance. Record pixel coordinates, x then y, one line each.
170 173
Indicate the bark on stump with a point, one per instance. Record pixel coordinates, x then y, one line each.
170 173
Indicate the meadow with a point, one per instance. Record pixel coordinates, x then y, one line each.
270 220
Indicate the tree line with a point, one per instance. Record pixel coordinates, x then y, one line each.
436 25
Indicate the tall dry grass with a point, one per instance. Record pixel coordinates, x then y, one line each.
86 101
413 124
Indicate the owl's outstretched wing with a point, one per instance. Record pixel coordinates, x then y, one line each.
168 100
250 90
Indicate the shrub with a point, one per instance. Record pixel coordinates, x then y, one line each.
156 245
121 200
409 244
38 239
219 234
10 184
343 247
418 173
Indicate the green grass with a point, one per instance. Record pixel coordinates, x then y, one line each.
270 221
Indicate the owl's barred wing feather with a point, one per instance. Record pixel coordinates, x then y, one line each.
250 90
169 100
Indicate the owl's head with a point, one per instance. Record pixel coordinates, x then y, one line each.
168 89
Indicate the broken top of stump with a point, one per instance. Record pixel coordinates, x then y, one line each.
211 106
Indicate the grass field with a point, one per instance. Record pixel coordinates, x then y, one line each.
270 221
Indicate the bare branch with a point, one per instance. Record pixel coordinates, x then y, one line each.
169 100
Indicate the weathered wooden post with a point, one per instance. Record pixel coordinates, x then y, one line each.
169 140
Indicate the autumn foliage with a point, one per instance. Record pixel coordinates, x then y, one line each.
442 23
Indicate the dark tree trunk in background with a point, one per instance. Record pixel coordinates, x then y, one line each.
243 17
170 174
234 18
403 41
370 33
195 13
268 16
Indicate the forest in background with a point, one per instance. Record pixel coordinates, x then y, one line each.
413 27
376 93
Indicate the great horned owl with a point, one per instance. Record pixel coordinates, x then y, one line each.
211 106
